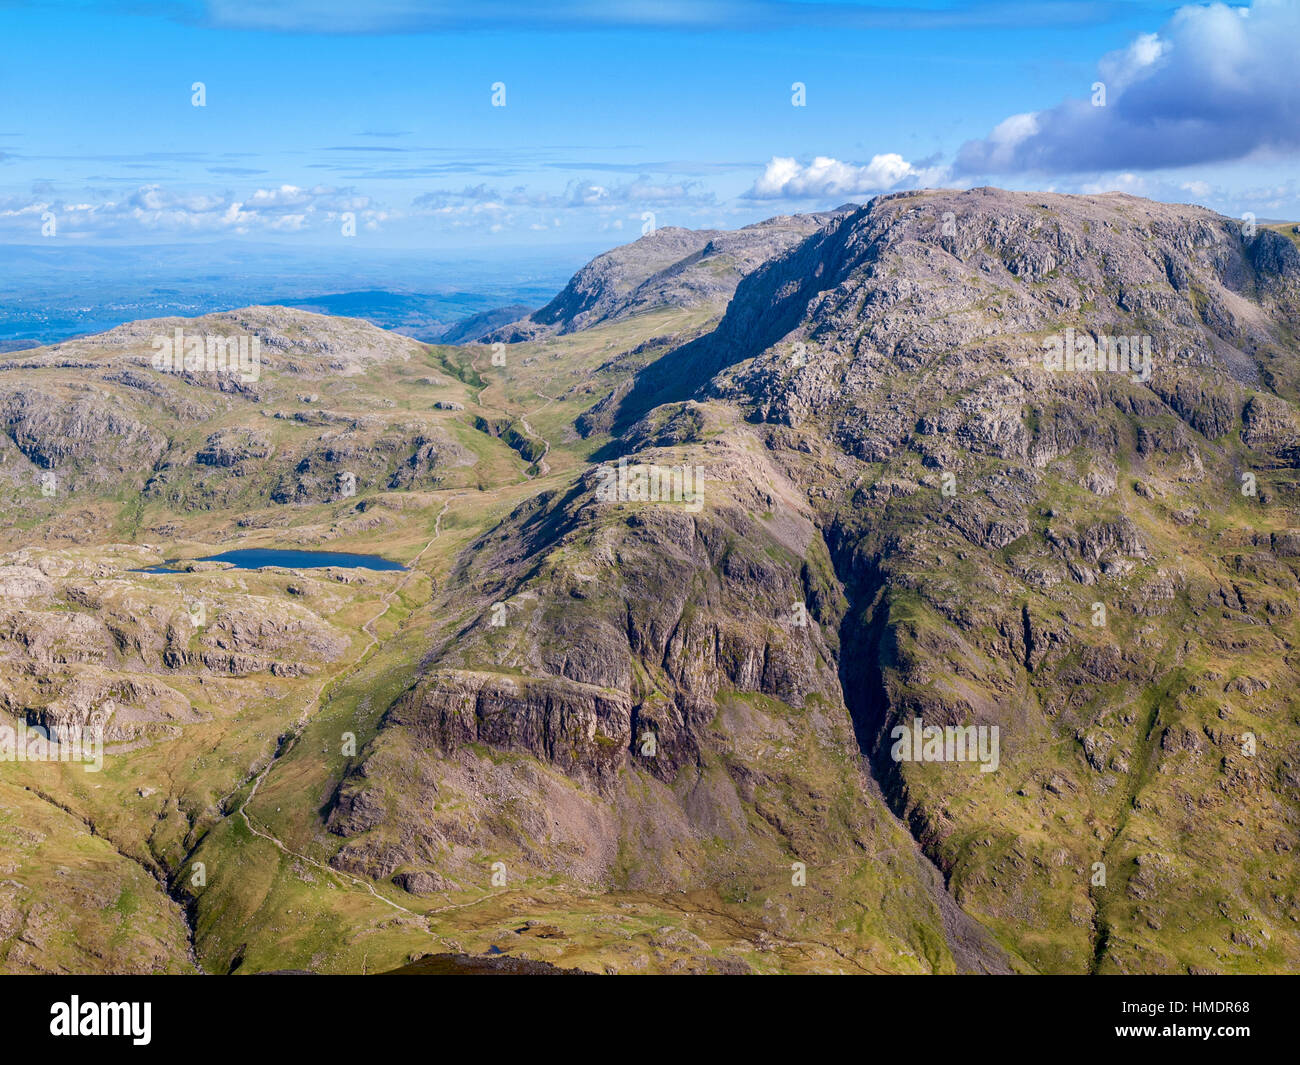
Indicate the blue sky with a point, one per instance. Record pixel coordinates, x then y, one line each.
382 110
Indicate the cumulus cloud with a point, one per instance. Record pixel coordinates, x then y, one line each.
154 209
1217 83
786 178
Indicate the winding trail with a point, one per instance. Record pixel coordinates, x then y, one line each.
314 704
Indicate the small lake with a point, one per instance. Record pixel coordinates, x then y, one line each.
258 557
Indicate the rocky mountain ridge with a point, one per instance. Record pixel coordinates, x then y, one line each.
903 347
669 267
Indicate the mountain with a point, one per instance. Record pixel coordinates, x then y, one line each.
669 267
1108 578
476 326
692 563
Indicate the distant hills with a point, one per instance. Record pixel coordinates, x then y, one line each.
450 318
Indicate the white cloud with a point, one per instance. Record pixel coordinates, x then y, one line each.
1216 84
154 209
786 178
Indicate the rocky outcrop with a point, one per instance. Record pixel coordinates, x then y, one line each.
584 730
